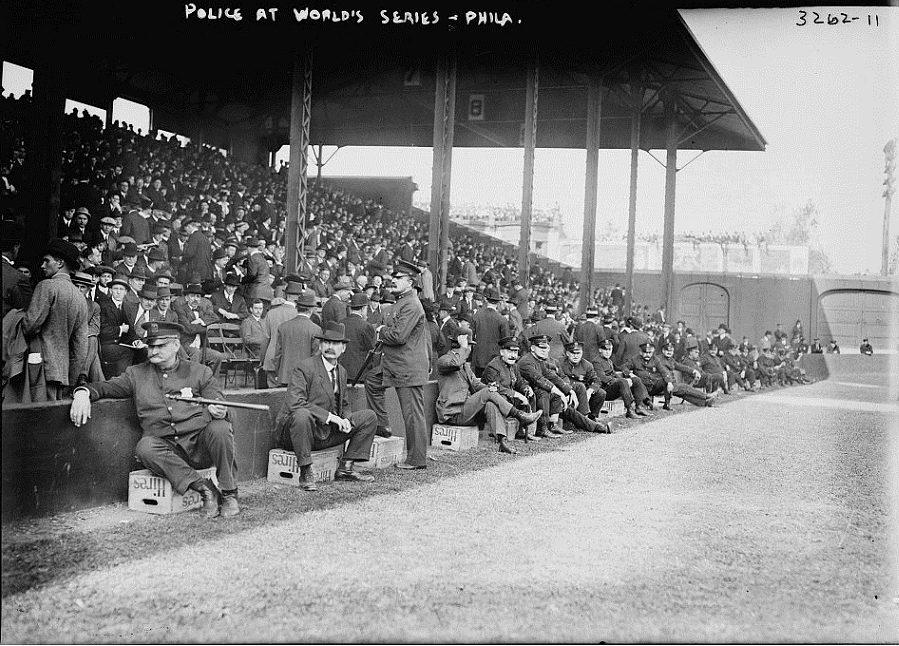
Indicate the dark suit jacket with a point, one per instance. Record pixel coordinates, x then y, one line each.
257 275
197 256
489 327
361 338
334 309
238 305
111 317
185 316
295 342
16 288
310 388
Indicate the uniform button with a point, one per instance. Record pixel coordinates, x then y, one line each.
165 376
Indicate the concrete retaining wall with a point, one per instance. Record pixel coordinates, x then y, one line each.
49 466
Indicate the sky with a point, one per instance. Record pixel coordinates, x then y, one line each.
825 98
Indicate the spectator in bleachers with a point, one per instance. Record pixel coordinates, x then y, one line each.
281 310
296 339
228 303
361 338
196 257
866 348
251 330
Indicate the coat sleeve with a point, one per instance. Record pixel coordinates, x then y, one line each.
38 311
298 394
120 387
404 323
451 362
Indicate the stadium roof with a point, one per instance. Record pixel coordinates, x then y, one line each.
373 84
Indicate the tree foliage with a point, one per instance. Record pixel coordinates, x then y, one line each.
800 229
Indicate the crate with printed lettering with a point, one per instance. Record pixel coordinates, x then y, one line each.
454 438
282 465
153 494
613 408
385 451
511 429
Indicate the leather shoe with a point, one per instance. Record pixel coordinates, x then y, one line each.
666 406
409 467
210 496
529 418
504 447
521 435
383 431
229 506
631 413
547 435
641 412
351 474
601 427
307 480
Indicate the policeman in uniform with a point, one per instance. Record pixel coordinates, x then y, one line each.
582 377
179 437
405 364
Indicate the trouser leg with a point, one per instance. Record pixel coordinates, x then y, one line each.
597 399
374 396
583 406
693 395
577 419
619 388
298 436
412 406
639 389
164 457
215 445
361 435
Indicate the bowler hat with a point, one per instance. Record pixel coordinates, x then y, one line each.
161 331
163 292
333 331
447 305
232 279
492 295
219 253
359 299
130 249
193 288
156 254
139 272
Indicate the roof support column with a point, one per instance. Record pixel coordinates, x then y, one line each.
44 160
670 185
441 170
591 185
527 196
300 115
637 98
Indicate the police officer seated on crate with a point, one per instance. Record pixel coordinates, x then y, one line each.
504 373
465 400
178 437
582 378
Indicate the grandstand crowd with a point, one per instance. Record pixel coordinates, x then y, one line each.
153 231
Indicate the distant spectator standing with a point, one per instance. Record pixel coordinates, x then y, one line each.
865 348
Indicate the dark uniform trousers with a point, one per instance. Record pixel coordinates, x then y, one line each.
412 405
597 399
303 435
628 394
177 457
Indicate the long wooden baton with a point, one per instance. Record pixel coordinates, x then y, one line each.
365 364
217 402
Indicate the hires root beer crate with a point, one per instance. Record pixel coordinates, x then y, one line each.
385 451
613 408
282 465
153 494
454 438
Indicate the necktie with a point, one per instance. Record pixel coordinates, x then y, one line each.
335 388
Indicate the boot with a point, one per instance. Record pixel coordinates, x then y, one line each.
229 504
667 404
524 418
524 435
210 495
307 479
600 427
505 447
632 412
383 431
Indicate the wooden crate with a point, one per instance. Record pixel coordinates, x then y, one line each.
153 494
613 408
282 465
454 438
385 451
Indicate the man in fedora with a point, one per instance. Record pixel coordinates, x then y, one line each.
228 303
296 338
91 370
194 314
316 412
196 256
178 437
360 336
57 319
405 365
115 330
335 308
109 238
156 261
136 281
489 327
277 315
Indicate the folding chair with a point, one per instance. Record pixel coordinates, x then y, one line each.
225 337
